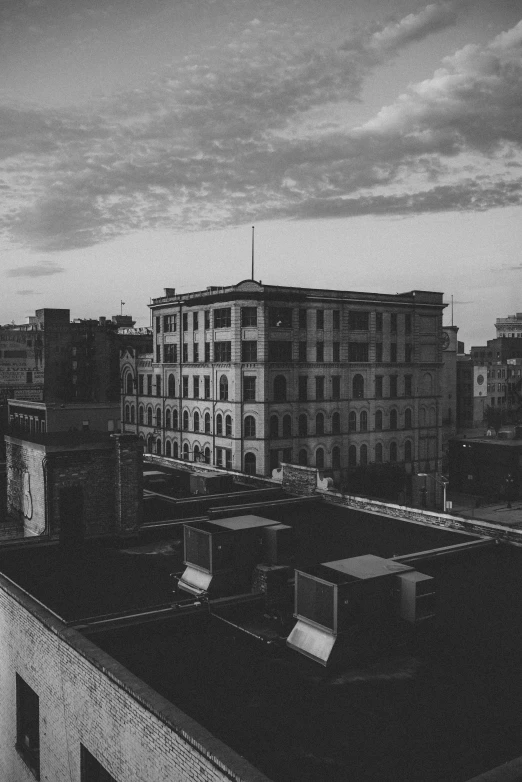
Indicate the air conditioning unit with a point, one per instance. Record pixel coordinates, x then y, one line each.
417 596
278 544
211 483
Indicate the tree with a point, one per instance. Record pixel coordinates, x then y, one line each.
493 417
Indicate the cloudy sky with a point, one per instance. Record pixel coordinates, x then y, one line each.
374 144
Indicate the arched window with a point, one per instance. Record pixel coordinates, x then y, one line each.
274 426
250 462
185 451
393 419
175 419
358 387
219 425
133 412
158 446
127 413
303 457
287 426
175 451
407 418
336 457
352 421
171 386
423 417
196 421
319 458
427 384
433 416
207 423
129 383
378 453
141 413
280 388
363 421
363 458
378 421
185 420
207 455
196 453
158 417
149 443
228 426
168 419
168 448
303 425
336 423
393 452
407 451
223 387
319 423
149 418
250 430
352 456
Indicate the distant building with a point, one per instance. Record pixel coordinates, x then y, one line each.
251 375
510 326
449 383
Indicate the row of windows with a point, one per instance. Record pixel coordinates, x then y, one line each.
196 454
355 456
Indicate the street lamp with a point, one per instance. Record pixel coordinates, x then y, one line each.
442 481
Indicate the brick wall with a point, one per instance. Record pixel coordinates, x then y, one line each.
85 697
26 487
128 482
299 480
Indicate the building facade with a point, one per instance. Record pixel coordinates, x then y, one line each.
251 375
511 326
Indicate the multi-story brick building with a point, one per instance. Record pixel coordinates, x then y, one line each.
250 375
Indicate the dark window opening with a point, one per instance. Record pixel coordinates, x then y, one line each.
28 725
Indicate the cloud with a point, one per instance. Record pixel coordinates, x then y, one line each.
38 270
27 293
414 27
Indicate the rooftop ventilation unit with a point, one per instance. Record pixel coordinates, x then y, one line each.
221 555
355 600
211 483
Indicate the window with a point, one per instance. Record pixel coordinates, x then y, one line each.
393 323
274 426
222 318
228 426
196 453
378 321
407 418
302 458
170 353
195 321
378 453
302 319
185 321
185 382
149 416
207 319
158 446
336 351
207 423
319 458
363 458
128 381
336 457
287 426
378 386
352 421
378 352
195 352
248 316
319 320
228 458
169 323
336 386
206 386
28 725
357 351
185 353
280 317
393 419
185 451
407 384
280 388
185 420
378 421
223 387
302 425
358 387
319 351
319 424
408 352
336 423
336 320
168 448
91 770
196 421
175 450
249 350
358 320
250 426
168 419
302 352
158 385
171 386
319 388
393 352
207 351
393 386
280 351
140 414
222 352
407 324
249 389
157 322
364 421
133 413
407 451
352 456
158 417
195 383
219 425
250 464
149 385
140 384
393 452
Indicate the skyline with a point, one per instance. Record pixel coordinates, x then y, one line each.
375 148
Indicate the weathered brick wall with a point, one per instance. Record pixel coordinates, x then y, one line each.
299 480
26 487
128 454
85 697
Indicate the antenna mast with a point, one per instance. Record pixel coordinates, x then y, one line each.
252 252
452 309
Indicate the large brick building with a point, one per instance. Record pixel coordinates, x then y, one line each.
250 375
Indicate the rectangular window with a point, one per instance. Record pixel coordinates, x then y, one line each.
358 320
169 323
319 388
248 316
207 319
336 386
28 725
378 386
407 324
393 323
185 384
222 318
91 770
393 386
408 385
302 319
149 385
140 385
319 351
249 350
249 389
185 353
336 351
378 321
195 381
185 321
378 352
393 352
158 354
195 320
170 353
302 352
303 388
206 382
28 377
280 317
207 351
219 457
222 351
357 351
319 319
336 320
408 352
280 351
158 385
157 321
195 352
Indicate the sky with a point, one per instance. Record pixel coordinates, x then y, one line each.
375 145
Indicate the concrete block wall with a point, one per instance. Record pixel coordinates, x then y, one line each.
86 697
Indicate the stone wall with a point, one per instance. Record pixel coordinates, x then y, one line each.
298 479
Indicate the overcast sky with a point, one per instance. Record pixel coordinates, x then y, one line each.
374 144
